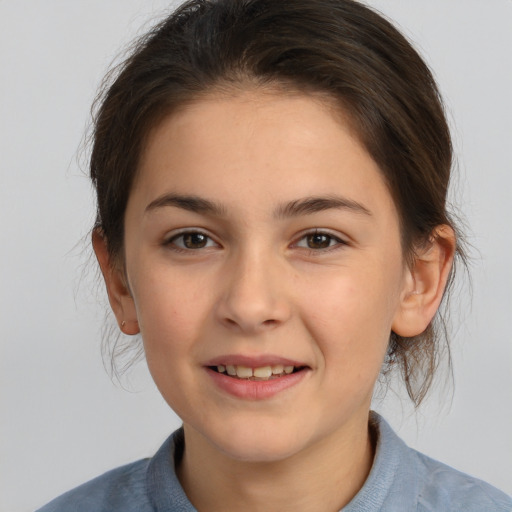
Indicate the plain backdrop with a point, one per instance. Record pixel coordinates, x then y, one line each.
62 420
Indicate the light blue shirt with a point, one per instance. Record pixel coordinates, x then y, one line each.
401 479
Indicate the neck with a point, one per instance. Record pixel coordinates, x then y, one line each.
330 472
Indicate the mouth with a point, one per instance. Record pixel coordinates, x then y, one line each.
261 373
255 378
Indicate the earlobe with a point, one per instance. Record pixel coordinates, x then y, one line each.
425 283
119 296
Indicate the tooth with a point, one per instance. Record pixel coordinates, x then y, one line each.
221 369
231 370
263 373
243 372
288 369
277 369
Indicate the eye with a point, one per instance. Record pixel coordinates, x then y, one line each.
319 240
191 240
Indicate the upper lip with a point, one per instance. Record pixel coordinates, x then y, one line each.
253 361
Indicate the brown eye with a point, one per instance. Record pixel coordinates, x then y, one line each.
192 240
319 241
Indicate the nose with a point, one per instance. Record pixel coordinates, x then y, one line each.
253 295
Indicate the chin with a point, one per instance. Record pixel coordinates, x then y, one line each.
258 444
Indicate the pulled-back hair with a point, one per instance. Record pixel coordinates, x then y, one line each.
338 48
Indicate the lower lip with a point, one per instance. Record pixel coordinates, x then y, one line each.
255 389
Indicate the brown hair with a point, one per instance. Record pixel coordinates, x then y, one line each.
339 48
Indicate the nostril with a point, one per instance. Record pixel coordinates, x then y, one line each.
234 323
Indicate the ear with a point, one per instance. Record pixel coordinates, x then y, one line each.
119 295
425 283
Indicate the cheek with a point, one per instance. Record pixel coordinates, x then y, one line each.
353 323
171 313
170 309
357 301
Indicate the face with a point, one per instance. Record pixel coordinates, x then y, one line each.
261 241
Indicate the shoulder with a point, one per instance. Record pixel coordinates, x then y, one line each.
404 479
143 486
444 488
123 489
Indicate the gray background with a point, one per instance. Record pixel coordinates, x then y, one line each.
62 420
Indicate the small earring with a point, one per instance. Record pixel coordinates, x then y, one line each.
123 323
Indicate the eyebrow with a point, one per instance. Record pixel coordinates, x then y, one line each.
295 208
187 202
311 205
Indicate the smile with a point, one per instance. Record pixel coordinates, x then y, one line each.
255 374
258 377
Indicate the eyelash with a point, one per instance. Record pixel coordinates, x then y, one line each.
172 241
338 242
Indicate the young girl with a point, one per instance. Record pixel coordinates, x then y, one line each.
271 180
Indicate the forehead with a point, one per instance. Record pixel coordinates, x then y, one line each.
260 147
